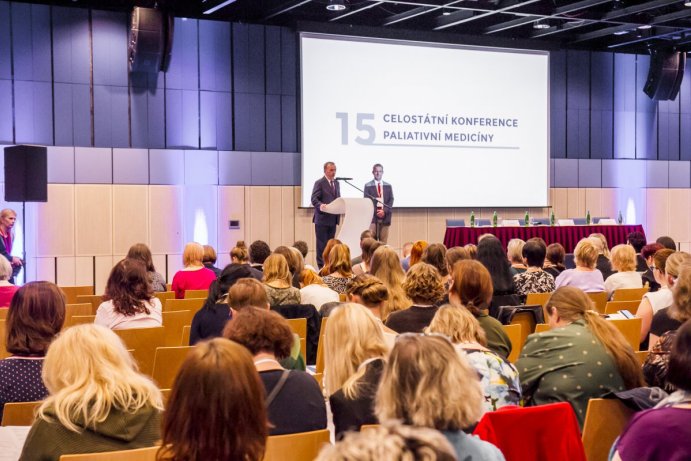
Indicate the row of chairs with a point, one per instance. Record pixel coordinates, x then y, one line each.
623 298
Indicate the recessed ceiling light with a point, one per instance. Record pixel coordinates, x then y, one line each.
336 5
446 13
687 3
621 32
645 27
540 24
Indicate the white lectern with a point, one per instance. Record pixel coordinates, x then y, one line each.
358 214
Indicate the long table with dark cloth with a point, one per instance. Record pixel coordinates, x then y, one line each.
568 236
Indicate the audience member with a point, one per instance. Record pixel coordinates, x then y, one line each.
648 277
301 246
405 255
663 433
390 441
278 281
194 276
667 242
294 401
366 234
141 252
295 263
491 254
314 291
325 269
416 252
472 290
370 292
427 384
423 285
355 352
240 255
129 301
534 279
259 251
340 273
247 292
624 263
453 255
603 262
670 318
216 407
368 247
36 315
7 290
386 267
209 321
499 378
554 259
664 330
435 255
583 356
637 241
98 400
662 298
471 249
585 276
209 260
514 251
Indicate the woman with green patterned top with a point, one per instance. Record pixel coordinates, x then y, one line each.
580 358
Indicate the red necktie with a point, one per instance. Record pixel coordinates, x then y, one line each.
379 189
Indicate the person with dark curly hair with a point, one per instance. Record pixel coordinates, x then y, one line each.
294 400
424 286
259 251
129 301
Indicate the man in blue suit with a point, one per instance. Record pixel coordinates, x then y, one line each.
325 191
381 220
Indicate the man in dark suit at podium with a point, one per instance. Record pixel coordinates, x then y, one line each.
325 191
381 220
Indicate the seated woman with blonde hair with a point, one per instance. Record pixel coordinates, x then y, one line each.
369 291
387 267
424 286
216 407
239 254
278 281
129 301
582 357
355 352
341 272
427 384
585 276
98 400
314 291
194 276
499 378
624 263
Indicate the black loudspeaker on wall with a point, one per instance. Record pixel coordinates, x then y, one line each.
26 174
665 74
151 40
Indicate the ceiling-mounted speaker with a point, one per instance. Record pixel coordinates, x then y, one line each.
151 40
665 74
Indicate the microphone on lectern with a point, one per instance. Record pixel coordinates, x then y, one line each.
343 179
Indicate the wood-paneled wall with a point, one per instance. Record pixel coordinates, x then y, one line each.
84 229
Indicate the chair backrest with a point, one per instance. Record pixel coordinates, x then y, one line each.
144 341
542 327
164 295
631 329
612 307
605 420
455 223
79 320
527 322
299 327
192 294
94 300
167 362
192 304
479 222
599 299
3 343
539 298
514 333
140 454
629 294
173 323
320 347
77 309
641 356
165 393
296 447
4 312
185 340
71 293
19 413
